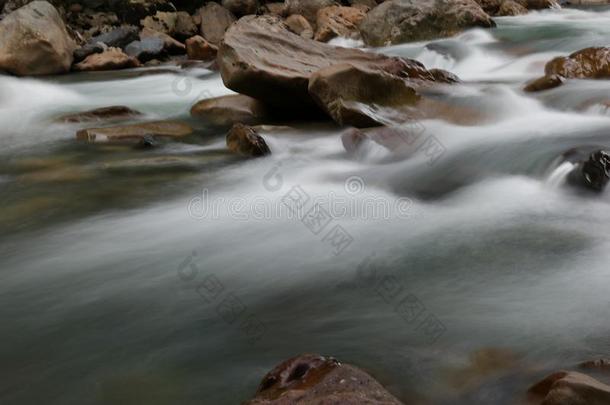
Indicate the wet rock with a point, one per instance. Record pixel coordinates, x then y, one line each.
147 49
511 8
593 173
398 21
198 48
261 58
353 96
241 7
569 388
244 140
171 45
314 379
118 38
442 76
178 25
589 63
337 21
133 11
34 41
299 25
308 8
111 59
135 132
599 364
544 83
215 20
228 110
538 4
99 114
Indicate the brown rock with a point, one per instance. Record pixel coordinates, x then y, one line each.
111 59
337 21
175 24
241 7
589 63
261 58
105 113
313 379
278 9
300 26
215 19
228 110
171 46
569 388
544 83
599 364
244 140
491 7
135 132
307 8
511 8
34 41
198 48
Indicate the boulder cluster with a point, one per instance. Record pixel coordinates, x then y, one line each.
42 38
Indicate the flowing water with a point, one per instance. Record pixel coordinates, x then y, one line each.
181 275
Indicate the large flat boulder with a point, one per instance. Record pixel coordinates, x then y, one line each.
261 58
34 41
398 21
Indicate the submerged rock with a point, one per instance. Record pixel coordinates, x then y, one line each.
98 114
398 21
228 110
569 388
135 132
314 379
544 83
111 59
599 364
244 140
34 41
593 173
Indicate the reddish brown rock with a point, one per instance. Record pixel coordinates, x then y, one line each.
111 59
228 110
313 379
337 21
244 140
198 48
589 63
99 114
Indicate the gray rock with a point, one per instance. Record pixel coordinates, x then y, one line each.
147 49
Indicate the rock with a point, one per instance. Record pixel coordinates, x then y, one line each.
336 21
198 48
569 388
262 59
599 364
105 113
278 9
539 4
398 21
241 7
313 379
118 38
300 26
35 41
135 132
179 25
215 20
357 96
147 49
368 4
491 7
244 140
228 110
133 11
171 46
111 59
511 8
544 83
307 8
593 173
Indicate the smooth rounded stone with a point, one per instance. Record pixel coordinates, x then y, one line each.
147 49
215 20
354 96
34 41
599 365
99 114
593 173
299 25
171 45
111 59
198 48
308 8
135 132
544 83
569 388
338 21
241 7
245 141
228 110
511 8
261 58
314 379
399 21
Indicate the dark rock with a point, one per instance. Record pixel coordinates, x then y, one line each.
599 364
589 63
569 388
34 41
593 173
118 38
105 113
135 132
197 48
244 140
241 7
147 49
544 83
398 21
313 379
215 20
511 8
278 9
228 110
